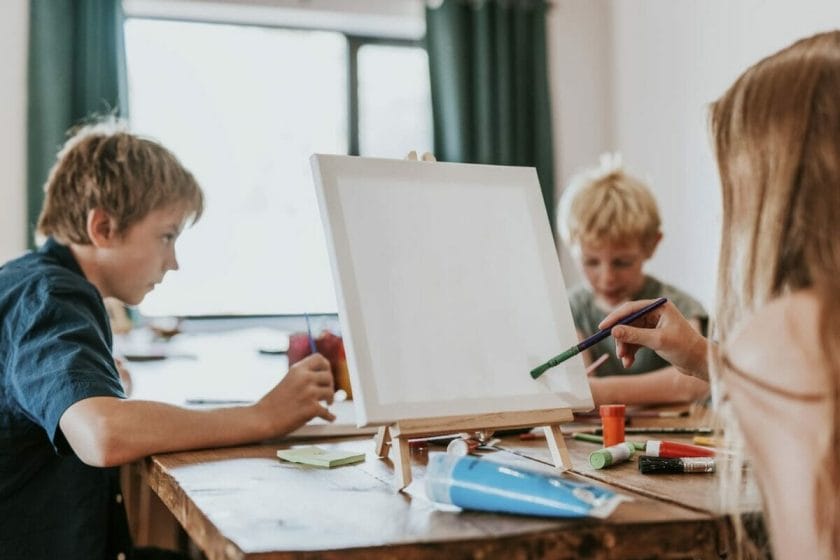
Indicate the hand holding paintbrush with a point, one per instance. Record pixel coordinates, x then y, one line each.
596 338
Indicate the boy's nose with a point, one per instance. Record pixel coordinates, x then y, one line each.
608 275
172 262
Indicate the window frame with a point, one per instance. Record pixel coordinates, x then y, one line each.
354 43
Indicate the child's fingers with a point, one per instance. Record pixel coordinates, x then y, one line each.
323 412
593 367
315 362
322 378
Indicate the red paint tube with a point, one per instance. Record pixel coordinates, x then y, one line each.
655 448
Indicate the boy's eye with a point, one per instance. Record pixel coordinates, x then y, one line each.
168 237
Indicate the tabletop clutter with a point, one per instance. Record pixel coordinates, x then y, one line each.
461 477
471 482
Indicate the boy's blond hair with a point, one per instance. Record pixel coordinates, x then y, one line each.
605 204
104 166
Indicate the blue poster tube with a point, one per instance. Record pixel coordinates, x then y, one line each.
474 483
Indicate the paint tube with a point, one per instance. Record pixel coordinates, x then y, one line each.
611 455
474 483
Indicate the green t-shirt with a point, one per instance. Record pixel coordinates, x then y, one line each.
587 315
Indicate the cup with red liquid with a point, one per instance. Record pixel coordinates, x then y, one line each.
329 345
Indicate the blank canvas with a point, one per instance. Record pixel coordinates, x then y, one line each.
449 288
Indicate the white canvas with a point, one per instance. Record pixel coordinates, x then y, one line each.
449 288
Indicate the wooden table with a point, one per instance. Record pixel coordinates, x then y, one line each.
244 503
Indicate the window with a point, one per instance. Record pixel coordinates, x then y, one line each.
244 107
394 101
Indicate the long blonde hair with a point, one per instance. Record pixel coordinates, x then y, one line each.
777 140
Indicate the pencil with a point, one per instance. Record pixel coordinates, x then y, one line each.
594 339
640 414
659 430
217 402
312 346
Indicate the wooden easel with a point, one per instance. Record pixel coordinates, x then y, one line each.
397 434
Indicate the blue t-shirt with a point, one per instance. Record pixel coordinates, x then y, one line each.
55 350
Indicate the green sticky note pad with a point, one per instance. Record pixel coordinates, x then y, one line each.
320 457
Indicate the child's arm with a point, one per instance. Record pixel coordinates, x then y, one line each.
107 431
666 385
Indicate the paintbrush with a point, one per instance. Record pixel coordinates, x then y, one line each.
594 339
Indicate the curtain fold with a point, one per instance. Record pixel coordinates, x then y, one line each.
489 80
76 68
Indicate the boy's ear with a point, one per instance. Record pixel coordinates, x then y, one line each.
101 228
652 245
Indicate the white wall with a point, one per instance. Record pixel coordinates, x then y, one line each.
634 76
14 27
668 60
579 35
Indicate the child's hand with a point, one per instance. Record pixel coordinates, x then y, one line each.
665 331
299 396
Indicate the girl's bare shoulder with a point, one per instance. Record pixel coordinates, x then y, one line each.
780 345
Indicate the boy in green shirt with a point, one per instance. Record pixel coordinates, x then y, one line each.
610 222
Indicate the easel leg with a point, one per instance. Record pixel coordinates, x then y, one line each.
382 440
402 463
557 447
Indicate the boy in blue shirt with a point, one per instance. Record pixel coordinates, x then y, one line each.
610 222
115 205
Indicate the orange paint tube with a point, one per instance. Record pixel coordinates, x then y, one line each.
612 421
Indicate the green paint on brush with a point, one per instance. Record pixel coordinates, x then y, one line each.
558 359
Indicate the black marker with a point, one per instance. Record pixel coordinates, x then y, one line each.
666 465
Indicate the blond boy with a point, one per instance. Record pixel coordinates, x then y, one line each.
610 222
115 206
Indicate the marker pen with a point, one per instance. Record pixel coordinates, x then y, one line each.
672 465
706 441
655 448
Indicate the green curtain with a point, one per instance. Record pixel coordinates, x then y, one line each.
76 68
490 100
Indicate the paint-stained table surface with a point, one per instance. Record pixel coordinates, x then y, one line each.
244 503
